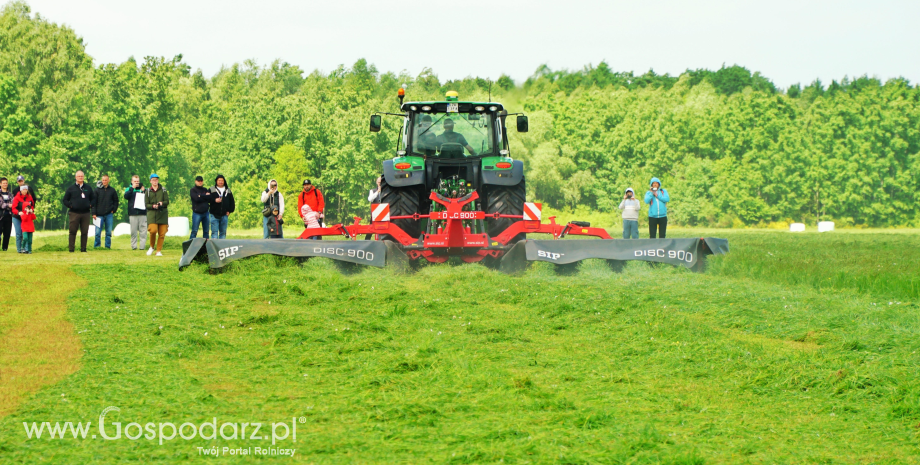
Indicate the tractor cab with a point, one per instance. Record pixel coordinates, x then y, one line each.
443 139
453 130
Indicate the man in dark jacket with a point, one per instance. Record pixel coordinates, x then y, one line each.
104 208
79 199
201 197
222 205
137 213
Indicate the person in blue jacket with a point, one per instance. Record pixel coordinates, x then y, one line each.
657 199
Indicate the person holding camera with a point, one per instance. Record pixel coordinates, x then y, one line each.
157 202
657 199
630 207
6 213
272 200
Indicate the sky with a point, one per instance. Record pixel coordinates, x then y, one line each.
787 41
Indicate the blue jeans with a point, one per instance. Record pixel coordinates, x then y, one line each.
630 229
108 221
203 219
17 226
265 229
218 227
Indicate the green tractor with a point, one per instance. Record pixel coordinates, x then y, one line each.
453 148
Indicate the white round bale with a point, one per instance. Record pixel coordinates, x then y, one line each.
797 227
178 226
122 229
825 226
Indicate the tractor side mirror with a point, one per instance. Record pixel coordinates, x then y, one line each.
375 123
522 123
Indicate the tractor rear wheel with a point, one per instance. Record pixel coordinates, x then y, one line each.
403 201
507 200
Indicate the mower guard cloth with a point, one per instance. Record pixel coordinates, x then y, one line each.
684 252
193 251
224 251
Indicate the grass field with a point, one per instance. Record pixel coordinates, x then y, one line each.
791 349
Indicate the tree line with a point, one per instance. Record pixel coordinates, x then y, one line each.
731 147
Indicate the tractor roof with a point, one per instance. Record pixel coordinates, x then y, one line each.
441 106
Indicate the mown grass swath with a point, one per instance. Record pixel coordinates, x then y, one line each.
463 364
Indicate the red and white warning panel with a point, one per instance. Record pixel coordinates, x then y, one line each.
380 211
533 211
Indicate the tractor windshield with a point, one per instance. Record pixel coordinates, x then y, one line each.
452 135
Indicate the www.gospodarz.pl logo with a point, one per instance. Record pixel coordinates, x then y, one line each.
167 431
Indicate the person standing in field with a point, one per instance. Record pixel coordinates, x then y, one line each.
14 190
6 213
200 196
274 225
222 205
104 208
272 200
312 197
374 195
657 200
137 217
79 199
310 218
630 207
25 198
157 203
27 216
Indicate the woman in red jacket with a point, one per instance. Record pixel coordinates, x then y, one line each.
23 196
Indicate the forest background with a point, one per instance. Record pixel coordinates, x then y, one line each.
732 149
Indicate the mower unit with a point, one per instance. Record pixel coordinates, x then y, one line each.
453 190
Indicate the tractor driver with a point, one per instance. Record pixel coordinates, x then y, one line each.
426 142
451 137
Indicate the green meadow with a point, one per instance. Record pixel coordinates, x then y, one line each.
794 348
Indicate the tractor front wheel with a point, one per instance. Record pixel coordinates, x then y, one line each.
506 200
403 201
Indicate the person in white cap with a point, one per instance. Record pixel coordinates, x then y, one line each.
630 207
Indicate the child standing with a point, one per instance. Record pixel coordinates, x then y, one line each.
274 225
630 206
27 216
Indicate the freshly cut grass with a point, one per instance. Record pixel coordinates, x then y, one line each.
38 345
462 364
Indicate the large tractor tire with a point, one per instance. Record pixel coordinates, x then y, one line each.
403 201
507 200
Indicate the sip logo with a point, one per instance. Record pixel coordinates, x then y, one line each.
224 253
549 255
